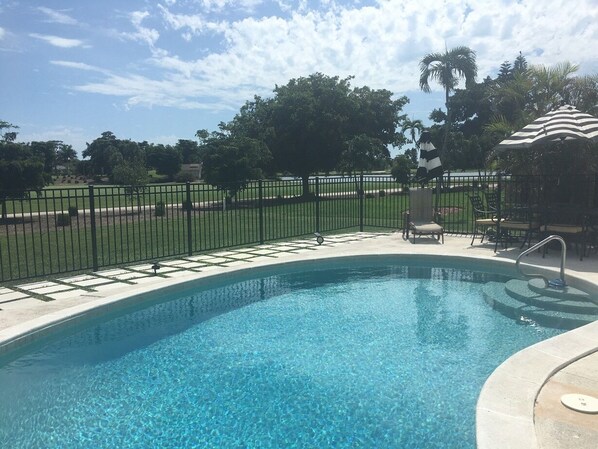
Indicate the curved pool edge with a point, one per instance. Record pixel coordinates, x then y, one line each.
33 330
505 409
505 412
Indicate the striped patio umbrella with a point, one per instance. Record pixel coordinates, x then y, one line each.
429 166
562 124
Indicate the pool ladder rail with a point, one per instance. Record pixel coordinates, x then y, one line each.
558 283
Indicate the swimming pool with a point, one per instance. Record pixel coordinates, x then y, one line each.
369 353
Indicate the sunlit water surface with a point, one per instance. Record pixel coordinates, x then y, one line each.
381 356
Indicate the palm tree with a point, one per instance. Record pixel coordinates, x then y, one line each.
447 69
413 126
549 86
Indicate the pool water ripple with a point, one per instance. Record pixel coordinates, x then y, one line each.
380 356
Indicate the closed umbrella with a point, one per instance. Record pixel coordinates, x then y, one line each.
563 124
429 166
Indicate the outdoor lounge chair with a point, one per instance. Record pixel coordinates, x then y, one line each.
420 219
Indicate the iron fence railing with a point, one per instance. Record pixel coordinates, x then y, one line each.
85 228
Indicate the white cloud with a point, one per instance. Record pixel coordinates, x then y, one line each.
2 33
219 5
381 45
175 91
195 23
57 41
57 16
78 66
142 34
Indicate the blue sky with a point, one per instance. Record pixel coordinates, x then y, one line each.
161 70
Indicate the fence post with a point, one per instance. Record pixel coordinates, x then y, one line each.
498 213
260 193
189 230
94 237
361 204
317 204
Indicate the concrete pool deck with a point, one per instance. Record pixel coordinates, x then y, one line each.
519 406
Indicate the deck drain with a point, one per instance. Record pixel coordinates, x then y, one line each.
580 403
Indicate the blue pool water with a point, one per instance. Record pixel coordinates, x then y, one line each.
381 356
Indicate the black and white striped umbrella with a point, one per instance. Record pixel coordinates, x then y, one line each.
562 124
429 166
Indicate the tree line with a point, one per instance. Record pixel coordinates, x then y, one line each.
484 113
322 124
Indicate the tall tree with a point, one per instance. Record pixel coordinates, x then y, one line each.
189 151
310 120
549 86
66 155
165 159
448 69
375 114
229 163
107 153
363 153
46 152
102 153
414 129
8 136
582 92
21 170
310 117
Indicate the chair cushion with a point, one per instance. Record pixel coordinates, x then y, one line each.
518 225
485 222
563 229
426 228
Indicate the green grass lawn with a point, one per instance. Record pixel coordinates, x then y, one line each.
59 199
38 247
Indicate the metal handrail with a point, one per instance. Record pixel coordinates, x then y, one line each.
557 283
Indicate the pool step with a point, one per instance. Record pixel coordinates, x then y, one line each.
534 292
545 310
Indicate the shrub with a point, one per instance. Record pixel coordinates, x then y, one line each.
73 211
382 193
63 220
401 169
187 205
160 209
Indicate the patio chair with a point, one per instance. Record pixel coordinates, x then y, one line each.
491 200
483 220
570 223
517 220
420 218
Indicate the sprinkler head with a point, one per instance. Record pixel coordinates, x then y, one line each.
156 267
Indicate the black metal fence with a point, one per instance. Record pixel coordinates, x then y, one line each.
86 228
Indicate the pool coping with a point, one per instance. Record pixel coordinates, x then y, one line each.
23 334
505 412
505 407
